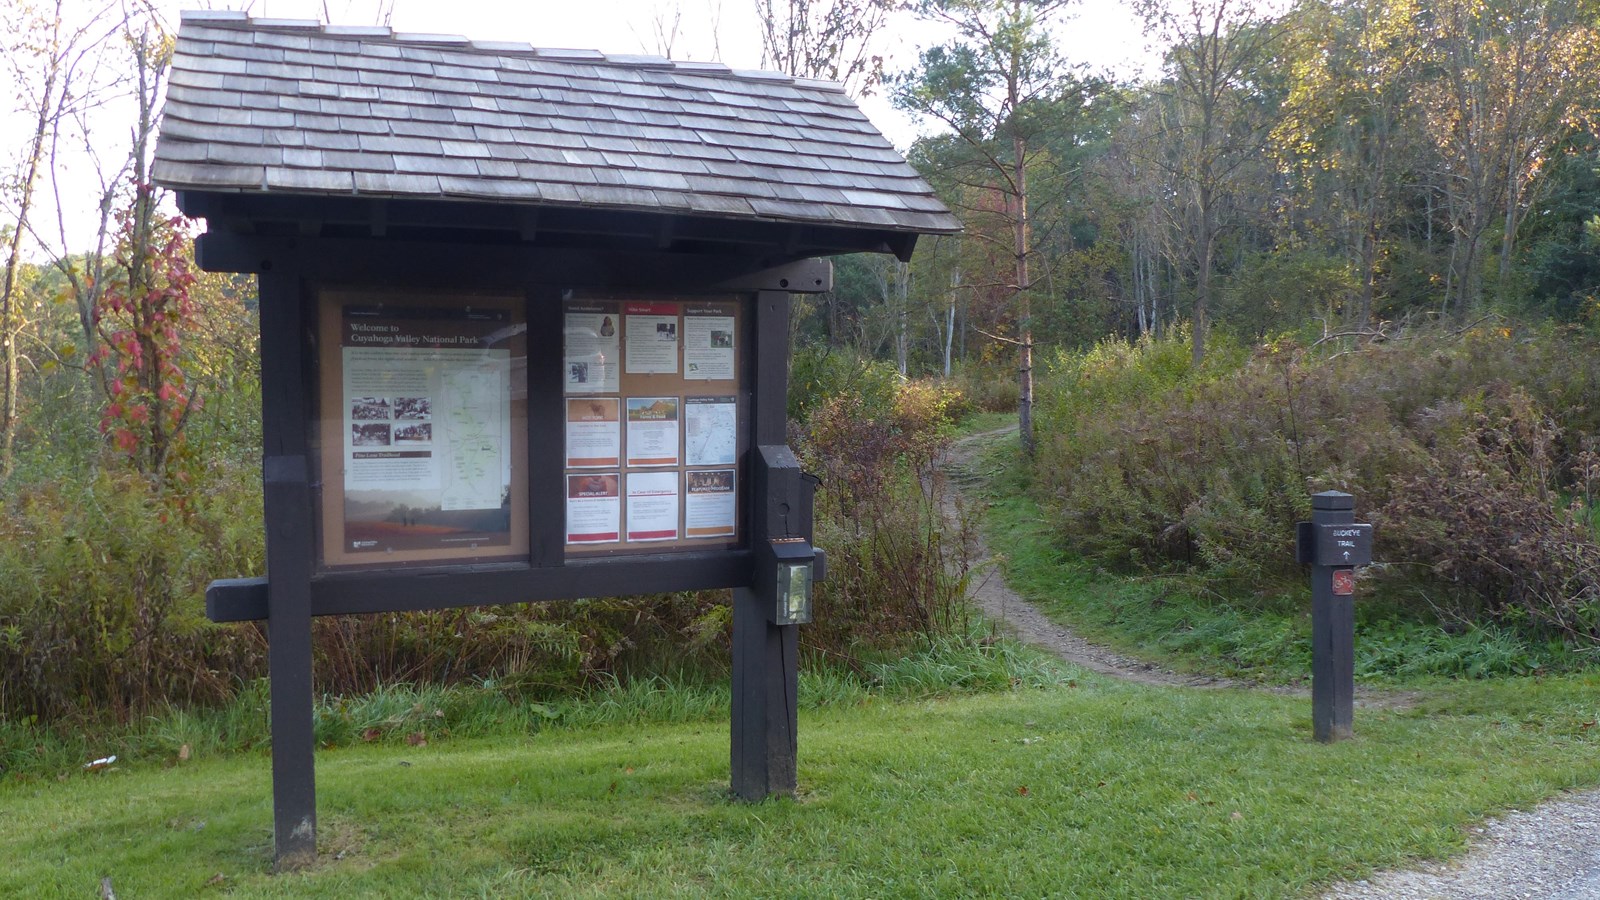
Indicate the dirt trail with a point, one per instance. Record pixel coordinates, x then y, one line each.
961 467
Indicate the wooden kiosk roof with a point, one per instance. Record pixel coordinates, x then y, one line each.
391 132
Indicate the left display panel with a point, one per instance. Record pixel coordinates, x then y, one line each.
421 428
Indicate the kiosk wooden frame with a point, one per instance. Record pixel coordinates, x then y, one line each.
320 159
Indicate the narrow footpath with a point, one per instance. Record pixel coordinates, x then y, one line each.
1551 852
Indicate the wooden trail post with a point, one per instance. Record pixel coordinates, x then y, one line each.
1334 544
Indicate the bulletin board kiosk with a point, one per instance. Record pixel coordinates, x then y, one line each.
524 333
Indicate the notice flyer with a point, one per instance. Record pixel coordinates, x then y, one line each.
652 332
652 506
709 507
593 508
427 427
708 342
592 348
652 431
711 430
594 433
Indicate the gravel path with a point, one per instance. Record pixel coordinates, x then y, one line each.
1548 853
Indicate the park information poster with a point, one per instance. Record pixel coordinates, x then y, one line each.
711 430
593 347
652 506
709 505
652 331
652 431
708 342
593 509
594 435
427 427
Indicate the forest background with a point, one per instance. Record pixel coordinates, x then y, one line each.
1339 245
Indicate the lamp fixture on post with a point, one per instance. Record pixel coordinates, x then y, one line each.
794 559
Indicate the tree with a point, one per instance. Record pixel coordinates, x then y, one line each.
1511 83
825 39
989 85
1214 120
1348 118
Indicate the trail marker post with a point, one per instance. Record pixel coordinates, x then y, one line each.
1334 544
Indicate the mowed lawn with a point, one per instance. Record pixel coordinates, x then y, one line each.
1099 789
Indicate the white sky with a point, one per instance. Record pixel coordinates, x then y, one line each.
1106 36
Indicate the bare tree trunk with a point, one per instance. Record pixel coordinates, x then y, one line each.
10 300
1019 224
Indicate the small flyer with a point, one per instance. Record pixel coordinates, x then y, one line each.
652 506
652 431
593 508
594 433
652 332
710 427
709 507
592 348
708 343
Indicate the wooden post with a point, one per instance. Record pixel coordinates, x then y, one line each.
766 656
287 501
1332 631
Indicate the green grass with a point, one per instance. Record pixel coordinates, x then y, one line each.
401 712
1090 788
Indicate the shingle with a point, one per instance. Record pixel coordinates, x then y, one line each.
176 150
176 174
234 154
397 184
385 143
606 195
357 161
302 159
464 149
440 130
436 165
491 189
542 172
362 125
497 168
271 119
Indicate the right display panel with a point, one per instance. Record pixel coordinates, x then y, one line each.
656 420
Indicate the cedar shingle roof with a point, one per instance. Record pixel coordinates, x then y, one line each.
290 107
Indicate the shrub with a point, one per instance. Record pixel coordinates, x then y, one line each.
101 594
892 576
1460 448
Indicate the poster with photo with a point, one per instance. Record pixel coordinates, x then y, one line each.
426 405
594 508
710 504
652 506
652 338
652 431
594 433
711 430
593 345
708 331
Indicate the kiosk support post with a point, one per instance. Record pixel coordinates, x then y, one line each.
766 656
1332 631
287 501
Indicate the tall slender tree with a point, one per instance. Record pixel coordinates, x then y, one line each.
989 85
